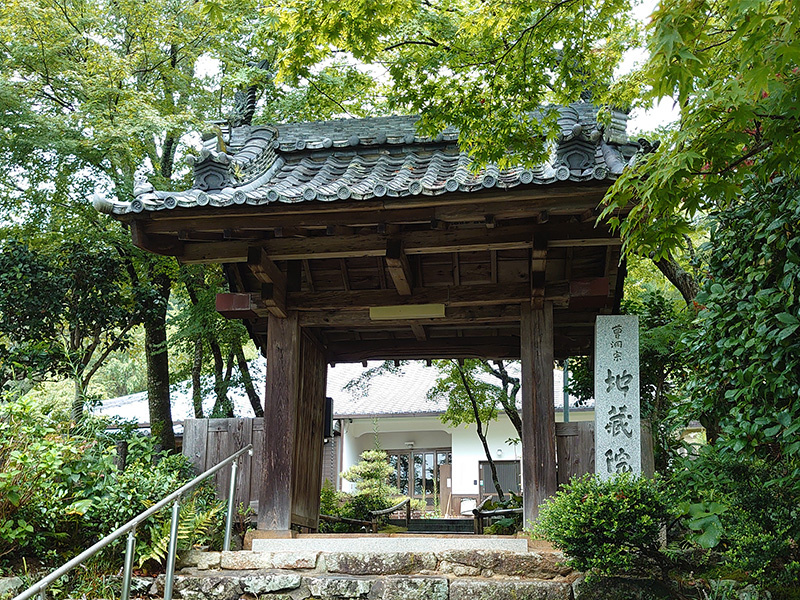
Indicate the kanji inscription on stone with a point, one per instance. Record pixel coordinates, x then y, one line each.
618 444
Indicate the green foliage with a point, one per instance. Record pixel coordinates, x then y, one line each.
506 525
745 508
60 491
702 518
732 67
745 387
359 506
611 527
198 522
484 67
371 474
450 386
63 308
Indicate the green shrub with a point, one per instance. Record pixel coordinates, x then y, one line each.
371 474
760 526
359 506
610 527
60 491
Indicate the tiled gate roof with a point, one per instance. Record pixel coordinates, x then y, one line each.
370 158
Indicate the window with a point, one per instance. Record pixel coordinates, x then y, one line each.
416 472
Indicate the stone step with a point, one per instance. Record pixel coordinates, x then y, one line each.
445 574
391 544
291 586
436 525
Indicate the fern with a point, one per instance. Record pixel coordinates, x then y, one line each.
194 526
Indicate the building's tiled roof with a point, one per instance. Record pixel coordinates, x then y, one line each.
389 394
371 158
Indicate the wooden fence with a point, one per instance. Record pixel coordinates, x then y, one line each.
206 442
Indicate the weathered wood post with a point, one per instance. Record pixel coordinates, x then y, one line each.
280 422
538 412
294 409
618 431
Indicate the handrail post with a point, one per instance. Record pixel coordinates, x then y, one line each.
128 570
226 545
173 550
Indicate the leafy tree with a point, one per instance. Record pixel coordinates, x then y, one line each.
746 386
486 67
473 399
732 67
92 91
63 309
201 329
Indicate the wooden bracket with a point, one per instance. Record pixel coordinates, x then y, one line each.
273 280
399 267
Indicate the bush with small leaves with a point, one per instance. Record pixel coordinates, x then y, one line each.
610 527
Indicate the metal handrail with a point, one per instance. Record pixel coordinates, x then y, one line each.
130 528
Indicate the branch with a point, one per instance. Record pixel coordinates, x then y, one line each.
429 42
108 350
329 97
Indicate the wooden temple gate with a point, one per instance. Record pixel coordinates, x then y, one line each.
352 240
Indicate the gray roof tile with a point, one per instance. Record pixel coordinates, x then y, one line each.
360 159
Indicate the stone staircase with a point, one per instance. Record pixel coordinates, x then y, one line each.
373 568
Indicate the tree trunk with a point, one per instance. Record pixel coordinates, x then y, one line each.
197 367
155 345
678 277
221 401
481 434
78 400
511 387
255 401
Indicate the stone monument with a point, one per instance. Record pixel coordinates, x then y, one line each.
617 427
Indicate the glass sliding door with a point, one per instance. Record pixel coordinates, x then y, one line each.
416 472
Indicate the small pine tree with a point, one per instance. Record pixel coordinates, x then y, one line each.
371 475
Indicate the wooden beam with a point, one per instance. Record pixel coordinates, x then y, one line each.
413 243
309 278
345 275
558 292
399 267
341 309
477 315
585 242
538 424
433 348
289 217
474 295
273 280
160 244
237 306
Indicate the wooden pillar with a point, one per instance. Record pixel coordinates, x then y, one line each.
280 422
538 413
309 434
294 409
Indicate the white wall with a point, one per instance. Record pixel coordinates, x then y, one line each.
468 452
393 433
430 432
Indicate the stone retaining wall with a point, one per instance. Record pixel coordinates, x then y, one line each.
450 575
